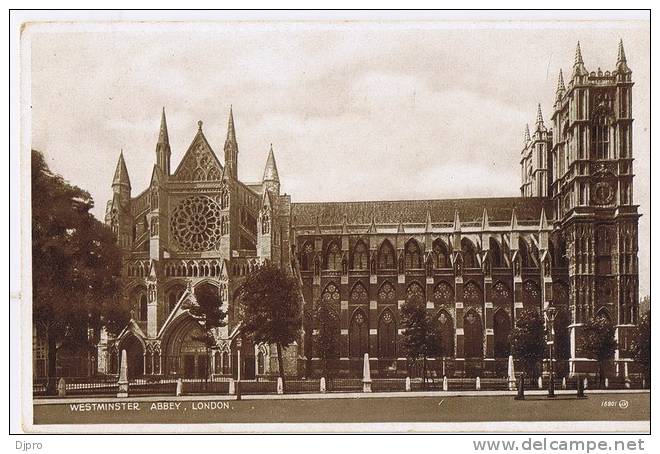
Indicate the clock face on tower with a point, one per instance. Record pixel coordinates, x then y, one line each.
602 193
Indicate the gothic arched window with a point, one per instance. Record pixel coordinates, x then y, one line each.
330 294
386 256
387 331
472 293
600 135
142 308
469 254
265 224
473 335
413 255
333 258
495 253
443 293
386 293
358 335
502 330
359 293
440 254
531 297
415 293
360 256
306 256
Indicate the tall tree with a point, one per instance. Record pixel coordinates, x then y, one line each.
208 310
528 341
76 267
641 348
271 309
421 334
327 338
598 343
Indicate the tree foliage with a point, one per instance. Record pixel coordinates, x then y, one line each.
421 333
528 341
76 265
641 347
209 312
598 342
327 339
270 305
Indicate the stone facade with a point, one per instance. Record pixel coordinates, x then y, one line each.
569 240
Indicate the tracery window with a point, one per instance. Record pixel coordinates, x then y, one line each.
501 293
265 224
196 223
443 293
472 293
142 308
386 293
386 256
440 255
469 254
359 293
358 335
387 332
330 294
360 256
413 256
531 295
415 293
333 259
306 256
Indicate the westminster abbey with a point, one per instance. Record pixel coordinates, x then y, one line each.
569 240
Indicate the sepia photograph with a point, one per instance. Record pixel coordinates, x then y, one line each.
335 222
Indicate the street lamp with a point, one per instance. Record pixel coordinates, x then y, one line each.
550 313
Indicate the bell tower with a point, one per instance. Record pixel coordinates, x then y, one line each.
592 192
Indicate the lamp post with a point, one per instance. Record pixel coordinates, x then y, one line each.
550 313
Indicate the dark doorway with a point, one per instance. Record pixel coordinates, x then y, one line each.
134 356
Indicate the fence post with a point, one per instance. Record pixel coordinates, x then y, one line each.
179 386
540 382
232 387
123 376
280 386
478 384
366 375
445 384
563 383
625 373
521 388
586 382
408 385
580 389
322 385
607 382
61 387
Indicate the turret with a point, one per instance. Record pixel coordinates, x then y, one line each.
271 179
121 183
561 88
231 149
579 69
163 151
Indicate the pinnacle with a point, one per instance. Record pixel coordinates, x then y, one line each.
163 136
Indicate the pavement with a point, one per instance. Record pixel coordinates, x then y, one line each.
600 406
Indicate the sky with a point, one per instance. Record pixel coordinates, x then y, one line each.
355 110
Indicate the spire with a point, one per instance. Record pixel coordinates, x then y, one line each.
527 138
578 66
429 223
163 137
621 62
270 172
231 148
540 126
484 220
457 222
561 88
121 173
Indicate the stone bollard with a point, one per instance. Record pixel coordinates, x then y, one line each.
607 382
478 384
123 376
625 374
280 386
179 387
232 387
408 384
445 383
322 385
366 375
540 382
586 382
61 387
521 388
563 383
643 383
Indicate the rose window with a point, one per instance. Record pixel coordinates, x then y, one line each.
196 223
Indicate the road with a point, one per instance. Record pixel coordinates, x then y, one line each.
372 409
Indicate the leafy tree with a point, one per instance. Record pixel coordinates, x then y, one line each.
599 343
76 267
326 341
209 312
421 334
270 304
528 341
641 347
